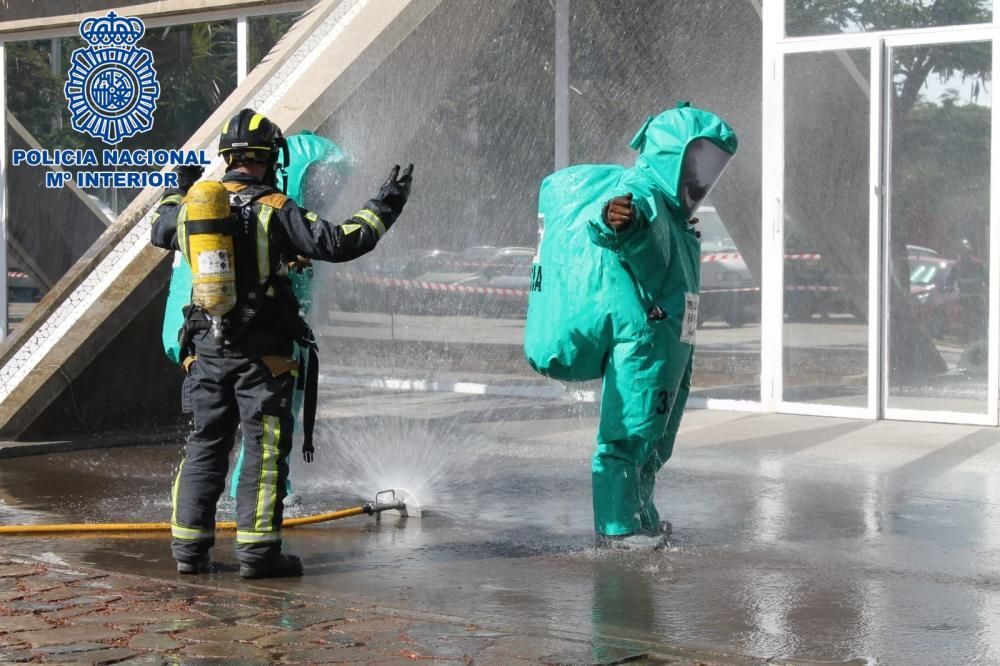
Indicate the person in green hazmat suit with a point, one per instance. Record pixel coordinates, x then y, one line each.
614 295
309 155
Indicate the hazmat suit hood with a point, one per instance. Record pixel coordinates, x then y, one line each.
311 155
684 151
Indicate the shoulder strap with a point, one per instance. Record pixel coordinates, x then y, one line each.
274 200
241 195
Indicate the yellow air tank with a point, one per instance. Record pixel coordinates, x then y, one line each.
209 248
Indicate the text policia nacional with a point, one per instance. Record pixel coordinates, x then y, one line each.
103 177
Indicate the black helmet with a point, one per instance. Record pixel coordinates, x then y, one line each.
250 137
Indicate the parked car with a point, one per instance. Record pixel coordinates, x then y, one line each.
727 287
508 270
935 294
22 295
427 261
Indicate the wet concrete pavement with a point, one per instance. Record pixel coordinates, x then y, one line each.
795 538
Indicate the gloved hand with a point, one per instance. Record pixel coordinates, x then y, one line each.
187 175
619 213
396 190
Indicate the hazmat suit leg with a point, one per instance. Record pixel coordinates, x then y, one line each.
202 473
649 517
265 409
640 400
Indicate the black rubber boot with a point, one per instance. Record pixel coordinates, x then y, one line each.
281 566
200 566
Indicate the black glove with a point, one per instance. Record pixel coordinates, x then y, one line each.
396 190
187 175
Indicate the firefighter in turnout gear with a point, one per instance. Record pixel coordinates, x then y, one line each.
242 373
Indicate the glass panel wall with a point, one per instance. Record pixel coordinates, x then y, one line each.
938 217
263 32
826 223
616 84
443 298
823 17
49 229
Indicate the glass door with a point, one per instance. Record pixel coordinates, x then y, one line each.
939 361
829 232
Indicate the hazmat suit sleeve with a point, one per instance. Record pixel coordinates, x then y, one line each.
626 241
313 237
163 231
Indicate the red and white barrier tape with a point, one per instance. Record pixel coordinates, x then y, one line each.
733 256
368 278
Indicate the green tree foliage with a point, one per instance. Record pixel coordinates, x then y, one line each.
820 17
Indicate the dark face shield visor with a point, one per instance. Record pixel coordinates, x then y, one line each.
704 162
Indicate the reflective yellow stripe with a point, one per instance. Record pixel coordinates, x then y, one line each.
312 217
255 121
225 128
267 487
182 235
349 229
173 491
257 537
372 219
190 533
263 244
172 199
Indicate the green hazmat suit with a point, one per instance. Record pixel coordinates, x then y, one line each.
306 151
623 305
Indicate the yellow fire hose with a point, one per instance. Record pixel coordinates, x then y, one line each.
370 508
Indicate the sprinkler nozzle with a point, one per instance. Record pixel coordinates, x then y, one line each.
394 499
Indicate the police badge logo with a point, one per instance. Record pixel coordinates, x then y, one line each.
112 87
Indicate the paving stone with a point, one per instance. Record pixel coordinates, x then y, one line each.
51 579
10 641
147 641
71 648
131 618
165 593
98 658
246 654
225 634
15 656
182 625
28 606
59 593
283 638
19 570
152 660
70 634
12 623
73 612
225 612
329 655
295 619
110 583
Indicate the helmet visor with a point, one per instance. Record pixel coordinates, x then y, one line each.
704 162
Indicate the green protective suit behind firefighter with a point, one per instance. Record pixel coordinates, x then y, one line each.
307 153
623 304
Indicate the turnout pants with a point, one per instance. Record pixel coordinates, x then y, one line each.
641 408
223 393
